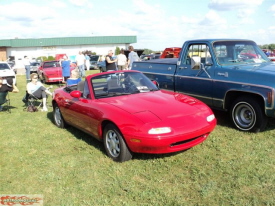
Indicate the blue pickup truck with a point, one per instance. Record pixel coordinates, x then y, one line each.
228 74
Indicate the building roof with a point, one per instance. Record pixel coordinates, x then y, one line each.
68 41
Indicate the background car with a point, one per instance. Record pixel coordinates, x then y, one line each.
50 71
94 59
124 109
101 66
34 67
6 71
144 57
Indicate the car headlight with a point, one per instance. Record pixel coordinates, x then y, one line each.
161 130
210 118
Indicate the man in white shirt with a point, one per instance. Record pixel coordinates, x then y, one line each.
27 65
80 62
133 56
121 60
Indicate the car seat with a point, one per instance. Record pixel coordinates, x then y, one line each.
113 84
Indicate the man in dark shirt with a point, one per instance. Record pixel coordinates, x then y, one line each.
110 62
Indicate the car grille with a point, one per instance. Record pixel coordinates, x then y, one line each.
188 140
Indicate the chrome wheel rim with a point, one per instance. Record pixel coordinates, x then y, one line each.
57 116
244 116
112 143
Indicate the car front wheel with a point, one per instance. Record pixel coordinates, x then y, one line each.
115 145
58 119
247 115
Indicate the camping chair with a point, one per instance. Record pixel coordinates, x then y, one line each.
5 100
31 100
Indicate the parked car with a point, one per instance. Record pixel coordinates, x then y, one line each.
125 110
149 57
101 66
94 59
50 71
12 66
171 52
34 67
6 71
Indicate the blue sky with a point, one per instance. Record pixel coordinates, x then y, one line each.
156 23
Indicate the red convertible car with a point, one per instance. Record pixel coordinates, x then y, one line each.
50 71
128 112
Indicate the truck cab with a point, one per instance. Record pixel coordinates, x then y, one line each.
228 74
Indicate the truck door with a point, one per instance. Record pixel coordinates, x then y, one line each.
195 81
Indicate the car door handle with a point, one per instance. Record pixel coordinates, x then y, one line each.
68 102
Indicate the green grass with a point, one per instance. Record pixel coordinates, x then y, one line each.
68 167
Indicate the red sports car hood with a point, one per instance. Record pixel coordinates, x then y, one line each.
159 105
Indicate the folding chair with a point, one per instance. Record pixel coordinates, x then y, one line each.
31 100
4 100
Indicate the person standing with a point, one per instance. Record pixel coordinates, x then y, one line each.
133 56
65 68
80 62
87 61
121 60
27 65
110 62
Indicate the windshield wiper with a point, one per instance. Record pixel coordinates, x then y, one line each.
117 93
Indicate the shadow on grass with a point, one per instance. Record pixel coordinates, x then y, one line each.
90 140
222 117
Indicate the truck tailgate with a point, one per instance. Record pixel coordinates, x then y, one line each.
161 70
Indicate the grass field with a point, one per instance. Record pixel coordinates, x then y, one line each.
68 167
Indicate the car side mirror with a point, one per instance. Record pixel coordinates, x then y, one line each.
195 62
76 94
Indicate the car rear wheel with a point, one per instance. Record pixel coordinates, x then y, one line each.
247 115
115 145
58 118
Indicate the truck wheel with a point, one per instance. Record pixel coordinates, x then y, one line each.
247 115
115 145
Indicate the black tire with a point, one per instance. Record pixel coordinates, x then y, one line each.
42 79
115 145
248 115
58 118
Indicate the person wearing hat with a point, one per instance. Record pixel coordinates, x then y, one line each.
37 89
7 85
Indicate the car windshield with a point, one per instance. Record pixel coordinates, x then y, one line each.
34 64
122 83
94 58
238 52
51 64
4 66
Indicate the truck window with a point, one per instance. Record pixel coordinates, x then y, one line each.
238 52
201 50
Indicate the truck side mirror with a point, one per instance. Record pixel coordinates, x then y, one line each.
195 62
